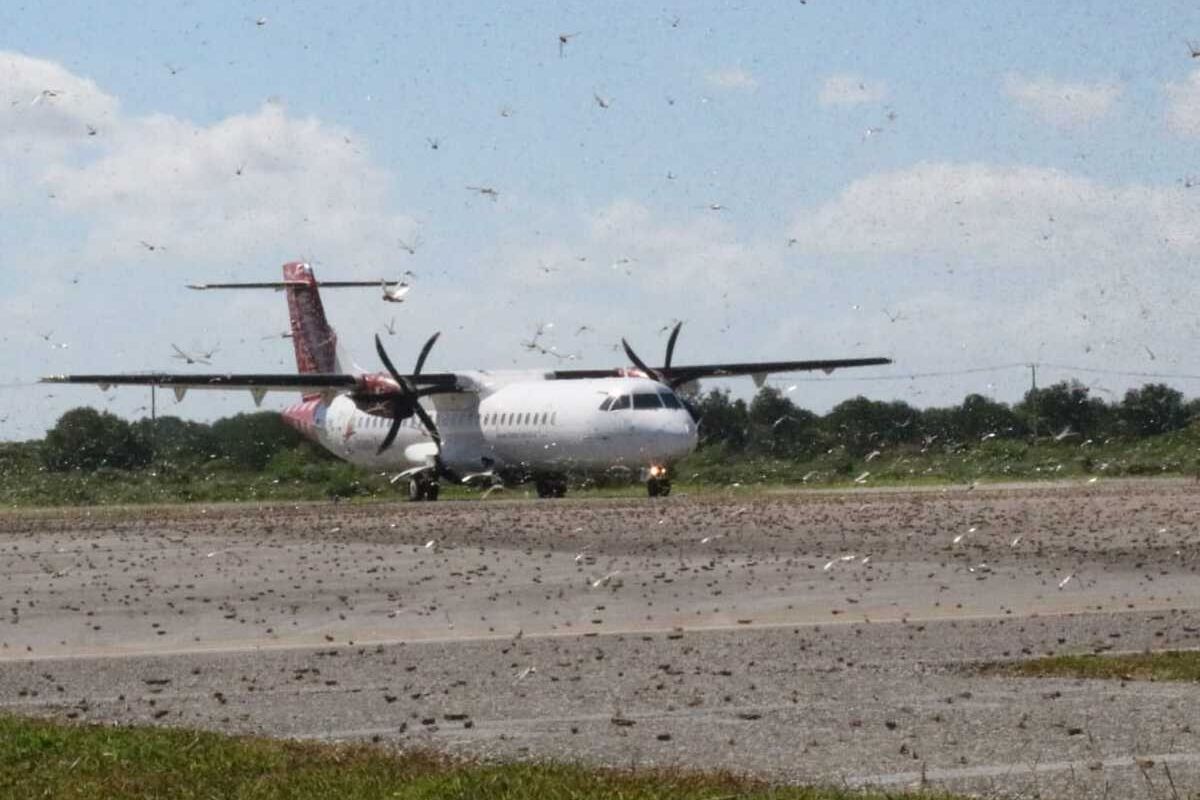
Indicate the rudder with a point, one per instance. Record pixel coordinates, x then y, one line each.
314 339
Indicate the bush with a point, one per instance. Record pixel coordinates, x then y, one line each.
87 439
252 440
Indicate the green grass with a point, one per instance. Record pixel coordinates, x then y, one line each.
296 475
1172 665
1174 454
47 759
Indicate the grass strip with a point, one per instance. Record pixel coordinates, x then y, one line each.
40 758
1168 665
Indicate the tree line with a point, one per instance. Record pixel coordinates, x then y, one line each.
770 424
87 439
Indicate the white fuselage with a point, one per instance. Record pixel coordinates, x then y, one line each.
535 426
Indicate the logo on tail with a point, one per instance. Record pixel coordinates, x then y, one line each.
312 336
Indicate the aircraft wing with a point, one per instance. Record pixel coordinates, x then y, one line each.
680 375
685 374
259 383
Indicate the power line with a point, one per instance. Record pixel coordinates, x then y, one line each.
909 376
1176 375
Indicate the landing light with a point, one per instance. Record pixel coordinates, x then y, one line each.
656 471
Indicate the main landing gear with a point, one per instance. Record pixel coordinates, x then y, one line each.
423 486
551 487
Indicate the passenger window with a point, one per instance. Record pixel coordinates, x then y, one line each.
669 399
621 403
644 401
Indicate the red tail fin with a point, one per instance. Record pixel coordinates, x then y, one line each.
313 338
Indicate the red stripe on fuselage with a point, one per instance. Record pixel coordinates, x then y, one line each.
303 417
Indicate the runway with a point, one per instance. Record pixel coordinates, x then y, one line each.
798 637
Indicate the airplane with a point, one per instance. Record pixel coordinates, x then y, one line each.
475 426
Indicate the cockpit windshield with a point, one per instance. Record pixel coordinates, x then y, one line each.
642 401
646 400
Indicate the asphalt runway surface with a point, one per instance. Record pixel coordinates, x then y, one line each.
805 637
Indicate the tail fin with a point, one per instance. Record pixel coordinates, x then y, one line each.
315 341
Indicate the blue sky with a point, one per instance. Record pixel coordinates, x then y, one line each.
951 185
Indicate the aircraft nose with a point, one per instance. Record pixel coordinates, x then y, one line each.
673 438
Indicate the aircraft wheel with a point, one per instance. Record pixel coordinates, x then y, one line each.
664 487
422 488
654 487
560 488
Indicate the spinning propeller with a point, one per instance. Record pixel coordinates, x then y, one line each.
662 375
403 401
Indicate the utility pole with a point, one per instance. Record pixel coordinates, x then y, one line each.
153 423
1033 397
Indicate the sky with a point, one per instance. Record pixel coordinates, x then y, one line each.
965 188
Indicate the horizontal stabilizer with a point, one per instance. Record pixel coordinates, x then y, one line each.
280 285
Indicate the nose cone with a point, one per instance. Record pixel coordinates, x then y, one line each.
668 437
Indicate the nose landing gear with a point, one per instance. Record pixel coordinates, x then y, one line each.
658 484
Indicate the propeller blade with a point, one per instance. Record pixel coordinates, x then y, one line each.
424 352
671 344
428 423
637 362
387 362
391 435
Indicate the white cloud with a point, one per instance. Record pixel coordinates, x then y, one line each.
1183 105
248 185
245 188
850 90
626 242
1031 263
43 106
1065 105
986 215
732 78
